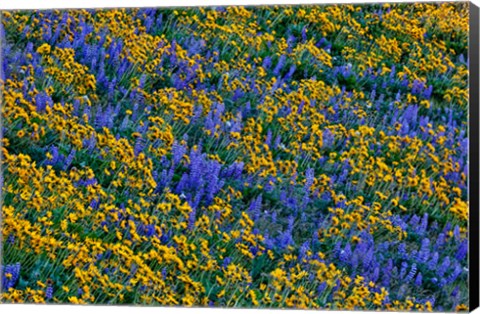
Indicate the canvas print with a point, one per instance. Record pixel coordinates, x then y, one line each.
303 156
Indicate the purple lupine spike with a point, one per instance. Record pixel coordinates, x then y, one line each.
304 34
402 249
373 94
304 249
326 196
411 274
462 251
432 264
55 155
226 261
424 253
135 111
149 230
139 146
267 62
354 261
388 273
14 271
427 93
309 176
414 221
321 287
376 274
454 274
268 139
124 123
42 100
414 255
269 242
49 293
367 259
195 166
455 291
328 138
448 227
321 42
383 247
274 217
441 239
291 222
290 73
337 248
192 219
68 161
456 232
403 270
280 65
178 152
277 142
422 228
418 280
443 267
110 115
346 253
100 119
255 207
238 170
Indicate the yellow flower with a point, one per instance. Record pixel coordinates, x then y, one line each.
44 49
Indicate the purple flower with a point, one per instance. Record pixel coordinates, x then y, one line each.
267 62
418 280
411 274
280 65
441 239
191 219
49 293
443 267
427 93
139 146
268 139
11 239
423 225
424 252
255 207
69 159
432 264
274 217
310 176
456 232
290 72
402 249
55 155
42 100
403 270
462 251
13 272
454 274
345 254
178 151
321 287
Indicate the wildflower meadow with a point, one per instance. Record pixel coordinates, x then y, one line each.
310 156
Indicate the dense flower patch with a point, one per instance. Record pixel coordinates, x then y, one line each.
283 156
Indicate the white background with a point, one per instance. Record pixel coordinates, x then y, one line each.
45 4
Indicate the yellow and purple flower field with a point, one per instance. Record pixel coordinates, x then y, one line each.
311 157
